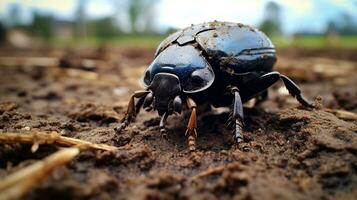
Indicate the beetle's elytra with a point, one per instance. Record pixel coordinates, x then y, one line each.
220 63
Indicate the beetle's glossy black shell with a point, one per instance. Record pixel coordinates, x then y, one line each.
228 49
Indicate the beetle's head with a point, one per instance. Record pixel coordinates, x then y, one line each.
166 88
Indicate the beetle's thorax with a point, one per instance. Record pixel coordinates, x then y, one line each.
165 87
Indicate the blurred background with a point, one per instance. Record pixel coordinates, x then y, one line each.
144 23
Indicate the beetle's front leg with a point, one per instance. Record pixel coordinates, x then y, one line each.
191 130
236 118
133 109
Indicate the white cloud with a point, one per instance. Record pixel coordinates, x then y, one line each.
100 8
60 6
299 6
182 13
347 5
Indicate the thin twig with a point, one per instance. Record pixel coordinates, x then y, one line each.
29 61
37 138
209 171
17 184
215 170
343 114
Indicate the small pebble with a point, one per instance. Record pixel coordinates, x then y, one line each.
283 91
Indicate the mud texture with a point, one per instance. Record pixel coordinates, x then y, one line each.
290 152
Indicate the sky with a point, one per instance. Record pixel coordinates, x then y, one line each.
297 15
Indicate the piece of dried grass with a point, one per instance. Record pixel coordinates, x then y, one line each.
17 184
38 138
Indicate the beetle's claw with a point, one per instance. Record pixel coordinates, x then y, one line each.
304 101
121 127
192 135
163 133
242 146
125 122
309 105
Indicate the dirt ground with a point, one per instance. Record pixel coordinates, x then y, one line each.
292 152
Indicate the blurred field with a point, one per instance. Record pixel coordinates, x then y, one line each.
316 42
144 41
154 40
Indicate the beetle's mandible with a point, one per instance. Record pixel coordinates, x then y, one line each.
221 63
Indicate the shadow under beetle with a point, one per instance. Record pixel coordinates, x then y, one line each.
220 63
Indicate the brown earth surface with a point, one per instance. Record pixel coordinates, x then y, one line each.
292 152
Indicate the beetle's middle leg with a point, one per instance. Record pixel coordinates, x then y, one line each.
132 110
236 118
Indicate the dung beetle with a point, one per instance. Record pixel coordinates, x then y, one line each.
220 63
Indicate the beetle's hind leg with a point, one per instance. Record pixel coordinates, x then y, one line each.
133 109
265 81
236 117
